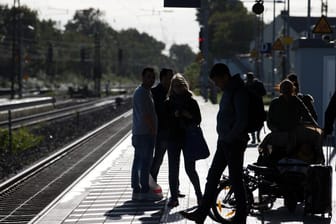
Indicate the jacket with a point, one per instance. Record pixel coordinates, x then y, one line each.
232 117
177 125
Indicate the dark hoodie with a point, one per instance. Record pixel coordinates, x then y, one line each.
232 116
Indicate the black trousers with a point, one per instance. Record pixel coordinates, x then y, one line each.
231 156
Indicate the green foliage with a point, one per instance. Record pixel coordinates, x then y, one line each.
182 56
138 49
231 28
192 73
22 140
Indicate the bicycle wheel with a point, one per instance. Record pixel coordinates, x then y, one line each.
224 208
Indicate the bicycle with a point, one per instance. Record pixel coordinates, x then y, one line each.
263 185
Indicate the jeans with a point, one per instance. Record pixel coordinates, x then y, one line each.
143 156
174 154
232 156
161 146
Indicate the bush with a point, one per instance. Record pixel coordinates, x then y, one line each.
22 140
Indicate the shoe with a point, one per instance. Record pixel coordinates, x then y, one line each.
193 216
180 195
173 203
151 196
137 196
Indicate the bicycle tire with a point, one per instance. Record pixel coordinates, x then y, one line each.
224 206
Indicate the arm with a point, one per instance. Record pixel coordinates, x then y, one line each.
329 116
240 104
305 113
193 114
271 116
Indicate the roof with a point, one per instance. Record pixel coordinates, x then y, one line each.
299 23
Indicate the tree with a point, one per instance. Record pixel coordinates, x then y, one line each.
192 75
182 56
226 36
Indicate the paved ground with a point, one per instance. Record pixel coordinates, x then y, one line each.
103 195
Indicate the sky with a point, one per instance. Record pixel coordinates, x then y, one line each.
169 25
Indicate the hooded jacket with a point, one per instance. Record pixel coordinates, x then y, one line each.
232 117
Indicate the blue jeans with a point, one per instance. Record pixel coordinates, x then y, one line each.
143 156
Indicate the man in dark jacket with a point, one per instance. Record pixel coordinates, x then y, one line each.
232 120
159 93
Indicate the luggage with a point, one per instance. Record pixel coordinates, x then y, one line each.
318 189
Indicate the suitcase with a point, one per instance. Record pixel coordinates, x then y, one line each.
318 189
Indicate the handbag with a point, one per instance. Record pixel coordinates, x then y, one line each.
195 146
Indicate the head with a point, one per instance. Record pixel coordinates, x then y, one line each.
220 75
148 77
165 77
179 85
287 88
294 79
249 76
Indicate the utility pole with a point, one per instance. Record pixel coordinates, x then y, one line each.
205 48
16 49
308 19
97 65
273 53
324 7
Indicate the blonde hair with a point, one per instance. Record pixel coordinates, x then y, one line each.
179 79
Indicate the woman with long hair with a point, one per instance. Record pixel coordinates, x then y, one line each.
182 112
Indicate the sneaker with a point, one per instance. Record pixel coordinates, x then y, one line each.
137 196
151 196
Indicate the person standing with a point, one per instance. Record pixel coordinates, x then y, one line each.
256 87
232 121
159 93
307 99
182 113
144 132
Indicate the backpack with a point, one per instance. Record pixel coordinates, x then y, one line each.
256 112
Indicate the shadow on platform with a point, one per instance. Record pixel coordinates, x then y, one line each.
148 211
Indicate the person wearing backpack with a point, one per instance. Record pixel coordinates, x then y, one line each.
257 88
232 123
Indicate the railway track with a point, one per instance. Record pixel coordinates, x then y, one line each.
28 193
61 113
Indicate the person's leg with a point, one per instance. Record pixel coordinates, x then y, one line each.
136 165
214 174
174 152
147 148
190 168
258 135
253 135
235 158
160 150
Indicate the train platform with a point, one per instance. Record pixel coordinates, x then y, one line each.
103 193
